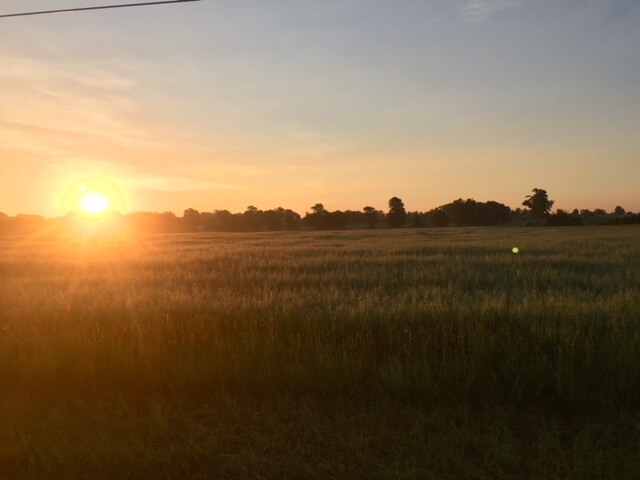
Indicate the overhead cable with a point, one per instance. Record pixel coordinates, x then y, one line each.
99 7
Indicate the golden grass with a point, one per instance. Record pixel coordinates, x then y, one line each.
422 321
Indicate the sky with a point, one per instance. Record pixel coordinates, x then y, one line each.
222 104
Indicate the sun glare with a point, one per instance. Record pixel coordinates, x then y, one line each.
94 197
94 203
94 209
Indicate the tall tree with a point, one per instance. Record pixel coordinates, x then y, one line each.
397 215
538 203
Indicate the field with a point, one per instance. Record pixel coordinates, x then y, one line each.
408 354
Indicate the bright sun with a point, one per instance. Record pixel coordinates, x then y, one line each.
94 203
94 198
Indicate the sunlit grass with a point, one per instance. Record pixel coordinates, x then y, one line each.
414 353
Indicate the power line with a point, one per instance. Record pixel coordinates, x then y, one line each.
99 7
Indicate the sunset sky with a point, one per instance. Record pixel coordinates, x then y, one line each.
221 104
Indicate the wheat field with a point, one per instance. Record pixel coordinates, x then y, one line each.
412 353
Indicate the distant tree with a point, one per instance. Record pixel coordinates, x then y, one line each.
319 219
191 219
600 212
289 218
470 212
462 212
518 214
270 220
152 222
371 216
619 210
27 224
628 219
493 213
562 218
559 218
439 218
252 220
538 203
397 215
208 221
224 221
338 220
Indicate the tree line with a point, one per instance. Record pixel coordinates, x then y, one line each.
469 212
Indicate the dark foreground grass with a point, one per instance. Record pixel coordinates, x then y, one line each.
398 354
284 437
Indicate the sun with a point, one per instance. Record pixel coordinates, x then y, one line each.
94 209
94 198
94 203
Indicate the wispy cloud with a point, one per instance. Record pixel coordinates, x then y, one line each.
92 111
478 10
51 102
185 183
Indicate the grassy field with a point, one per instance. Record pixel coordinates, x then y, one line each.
422 354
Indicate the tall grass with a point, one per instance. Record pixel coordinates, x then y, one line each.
428 320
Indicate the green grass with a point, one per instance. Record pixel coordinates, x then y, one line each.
381 354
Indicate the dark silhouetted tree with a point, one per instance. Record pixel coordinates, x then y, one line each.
271 221
462 212
397 215
439 218
469 212
371 216
338 220
191 220
619 210
319 219
289 218
224 221
538 203
562 218
252 220
493 213
559 218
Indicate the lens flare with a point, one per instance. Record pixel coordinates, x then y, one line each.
515 249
